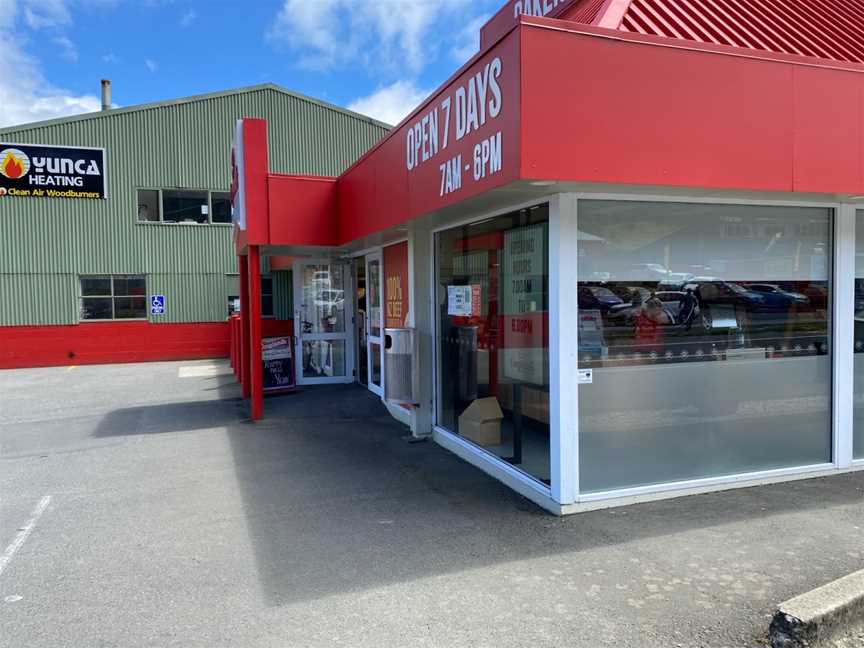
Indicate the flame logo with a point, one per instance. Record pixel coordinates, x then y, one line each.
14 164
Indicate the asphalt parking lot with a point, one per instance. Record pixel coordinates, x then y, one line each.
139 507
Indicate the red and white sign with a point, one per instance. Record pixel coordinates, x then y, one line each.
462 142
396 297
238 181
461 113
476 293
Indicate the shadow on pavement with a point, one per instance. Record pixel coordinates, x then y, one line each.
172 417
337 501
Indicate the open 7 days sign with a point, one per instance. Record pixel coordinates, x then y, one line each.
33 171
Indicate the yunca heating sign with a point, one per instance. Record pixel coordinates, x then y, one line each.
30 171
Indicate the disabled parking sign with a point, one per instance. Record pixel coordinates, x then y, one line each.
157 304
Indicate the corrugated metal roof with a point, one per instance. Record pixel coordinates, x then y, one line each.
827 29
193 99
585 12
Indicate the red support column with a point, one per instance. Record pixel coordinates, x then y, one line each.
244 326
255 360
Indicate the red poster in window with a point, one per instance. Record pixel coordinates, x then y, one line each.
396 300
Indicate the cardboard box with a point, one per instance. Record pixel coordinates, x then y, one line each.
535 402
481 422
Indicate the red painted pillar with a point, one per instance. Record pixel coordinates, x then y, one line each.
235 345
231 362
235 322
255 360
244 326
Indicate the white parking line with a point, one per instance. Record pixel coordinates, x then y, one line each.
24 532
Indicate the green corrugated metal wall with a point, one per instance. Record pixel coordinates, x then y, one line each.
46 243
283 293
31 299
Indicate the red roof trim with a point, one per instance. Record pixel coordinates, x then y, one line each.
601 32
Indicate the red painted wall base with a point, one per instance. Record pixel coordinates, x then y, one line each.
109 342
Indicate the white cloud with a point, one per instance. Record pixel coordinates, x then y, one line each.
468 39
41 14
7 14
67 49
390 104
386 34
110 58
188 18
151 65
26 95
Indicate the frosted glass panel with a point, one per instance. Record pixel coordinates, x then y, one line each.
859 337
707 329
858 449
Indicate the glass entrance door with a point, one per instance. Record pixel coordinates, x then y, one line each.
322 323
374 323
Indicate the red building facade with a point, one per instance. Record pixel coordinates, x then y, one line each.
628 231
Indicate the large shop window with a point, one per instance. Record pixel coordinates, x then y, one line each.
858 387
493 340
108 297
707 329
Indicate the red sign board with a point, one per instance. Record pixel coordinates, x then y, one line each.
396 294
462 142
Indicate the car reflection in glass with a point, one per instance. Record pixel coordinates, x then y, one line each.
776 297
716 291
681 306
598 297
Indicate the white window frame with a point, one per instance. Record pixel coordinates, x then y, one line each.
299 338
363 254
371 340
842 312
563 495
492 464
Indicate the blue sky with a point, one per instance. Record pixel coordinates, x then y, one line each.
380 57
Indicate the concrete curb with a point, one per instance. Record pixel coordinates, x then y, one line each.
825 615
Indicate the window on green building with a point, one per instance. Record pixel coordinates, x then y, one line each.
267 308
192 206
148 206
221 207
181 206
233 305
266 297
112 297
